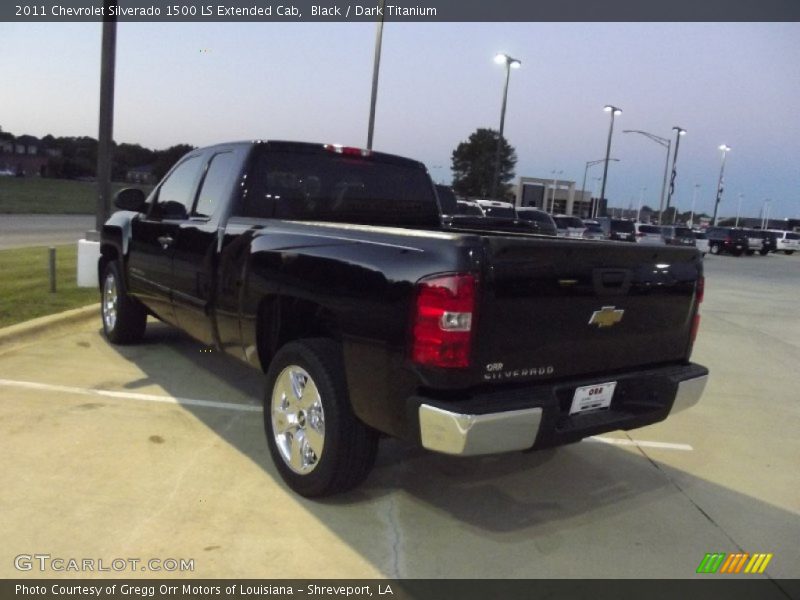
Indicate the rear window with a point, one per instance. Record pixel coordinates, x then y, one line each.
594 228
332 187
465 208
564 222
534 215
683 232
622 226
500 211
649 229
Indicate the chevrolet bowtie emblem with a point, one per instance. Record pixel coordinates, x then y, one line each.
606 316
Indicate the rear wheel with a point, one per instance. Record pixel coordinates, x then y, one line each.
763 252
788 252
124 318
317 444
750 252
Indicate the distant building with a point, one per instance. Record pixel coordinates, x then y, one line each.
557 197
24 155
143 174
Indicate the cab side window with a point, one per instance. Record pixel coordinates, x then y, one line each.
215 183
176 194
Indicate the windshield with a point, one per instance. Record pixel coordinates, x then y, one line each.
534 215
447 200
465 208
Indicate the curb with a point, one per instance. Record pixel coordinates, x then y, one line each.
29 330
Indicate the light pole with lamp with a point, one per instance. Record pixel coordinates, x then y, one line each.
614 113
510 63
591 163
555 174
666 143
641 201
679 133
725 149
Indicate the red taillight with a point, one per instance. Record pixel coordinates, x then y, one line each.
347 150
695 327
443 320
700 292
727 240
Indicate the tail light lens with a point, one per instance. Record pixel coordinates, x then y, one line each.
444 314
700 292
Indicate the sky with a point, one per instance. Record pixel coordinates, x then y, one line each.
731 83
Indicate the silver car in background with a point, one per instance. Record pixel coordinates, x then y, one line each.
649 234
569 227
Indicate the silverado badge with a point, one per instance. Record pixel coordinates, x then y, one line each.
606 316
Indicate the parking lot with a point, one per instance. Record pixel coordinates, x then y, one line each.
158 451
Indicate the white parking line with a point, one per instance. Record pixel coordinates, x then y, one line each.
639 443
44 387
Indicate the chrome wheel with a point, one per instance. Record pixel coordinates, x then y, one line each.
298 420
110 301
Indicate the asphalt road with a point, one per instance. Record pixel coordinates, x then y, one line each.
116 452
17 231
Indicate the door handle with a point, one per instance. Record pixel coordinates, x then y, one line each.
165 241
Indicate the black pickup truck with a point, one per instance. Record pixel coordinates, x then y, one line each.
329 268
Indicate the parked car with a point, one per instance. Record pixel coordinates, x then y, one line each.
701 241
539 220
726 240
678 235
649 234
594 230
329 269
755 241
569 227
621 230
786 241
769 242
496 208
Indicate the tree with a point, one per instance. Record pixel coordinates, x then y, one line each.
474 162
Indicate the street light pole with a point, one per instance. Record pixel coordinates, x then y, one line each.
510 63
679 133
376 67
591 163
765 210
738 209
555 174
641 201
694 199
614 112
725 149
666 143
105 136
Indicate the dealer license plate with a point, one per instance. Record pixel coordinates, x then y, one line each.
592 397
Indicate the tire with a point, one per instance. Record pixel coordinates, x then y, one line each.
124 318
788 252
317 444
750 252
763 252
714 249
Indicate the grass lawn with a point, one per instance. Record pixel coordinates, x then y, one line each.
39 195
25 284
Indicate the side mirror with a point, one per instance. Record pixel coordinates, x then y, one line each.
130 199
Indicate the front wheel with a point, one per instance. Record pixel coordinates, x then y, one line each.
714 249
317 444
788 252
763 252
124 319
750 252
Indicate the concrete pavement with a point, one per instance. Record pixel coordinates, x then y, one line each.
97 467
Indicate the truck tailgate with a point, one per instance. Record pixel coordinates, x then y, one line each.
557 308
